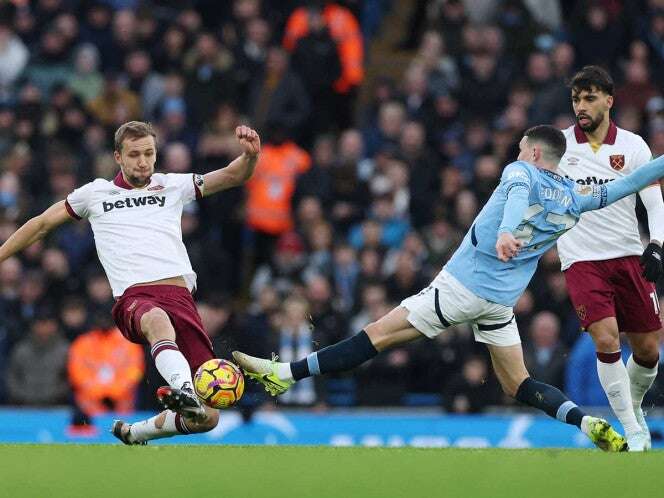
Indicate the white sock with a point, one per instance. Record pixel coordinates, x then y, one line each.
640 380
284 371
170 363
145 430
615 381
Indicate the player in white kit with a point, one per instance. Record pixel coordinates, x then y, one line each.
136 220
609 275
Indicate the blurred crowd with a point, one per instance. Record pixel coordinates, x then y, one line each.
364 188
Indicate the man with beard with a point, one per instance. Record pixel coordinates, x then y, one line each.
136 220
612 291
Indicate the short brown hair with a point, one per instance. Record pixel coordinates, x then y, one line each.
133 130
592 76
551 137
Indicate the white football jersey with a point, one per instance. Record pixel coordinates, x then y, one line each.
138 232
611 232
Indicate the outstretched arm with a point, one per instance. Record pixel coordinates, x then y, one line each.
34 229
240 169
611 192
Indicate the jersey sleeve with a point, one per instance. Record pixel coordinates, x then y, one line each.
191 185
515 175
515 184
590 197
77 203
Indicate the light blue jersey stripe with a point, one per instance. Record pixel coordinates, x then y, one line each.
563 410
312 363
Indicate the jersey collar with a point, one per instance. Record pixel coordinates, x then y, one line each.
119 181
609 139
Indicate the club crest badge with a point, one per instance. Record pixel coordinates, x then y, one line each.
617 161
581 311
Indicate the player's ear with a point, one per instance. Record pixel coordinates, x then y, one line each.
609 101
117 157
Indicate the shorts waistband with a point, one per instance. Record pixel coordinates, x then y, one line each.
156 290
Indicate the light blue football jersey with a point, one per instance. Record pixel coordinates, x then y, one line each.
554 206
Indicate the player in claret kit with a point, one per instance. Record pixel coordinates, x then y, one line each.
611 290
531 207
136 220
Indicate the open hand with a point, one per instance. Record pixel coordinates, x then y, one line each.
507 246
249 140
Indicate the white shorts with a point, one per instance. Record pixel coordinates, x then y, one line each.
446 302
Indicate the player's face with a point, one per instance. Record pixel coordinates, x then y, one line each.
526 151
591 108
137 160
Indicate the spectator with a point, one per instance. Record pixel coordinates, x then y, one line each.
545 356
406 280
115 104
207 66
251 52
50 64
36 374
295 340
345 30
316 60
653 35
104 370
597 38
469 390
279 97
317 180
346 275
13 59
423 172
637 88
73 317
143 81
270 191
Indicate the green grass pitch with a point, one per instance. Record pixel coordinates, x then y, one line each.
179 471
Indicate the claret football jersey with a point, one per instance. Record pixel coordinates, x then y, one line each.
612 232
138 232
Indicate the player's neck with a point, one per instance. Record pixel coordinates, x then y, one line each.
553 168
599 134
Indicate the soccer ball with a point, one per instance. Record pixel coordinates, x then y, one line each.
219 383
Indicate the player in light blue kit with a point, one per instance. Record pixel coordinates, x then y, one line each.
531 207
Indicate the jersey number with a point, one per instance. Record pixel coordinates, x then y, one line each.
524 231
655 302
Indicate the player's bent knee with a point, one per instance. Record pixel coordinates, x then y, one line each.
606 342
156 325
511 386
376 332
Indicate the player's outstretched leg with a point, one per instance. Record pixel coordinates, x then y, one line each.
517 383
277 377
168 423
